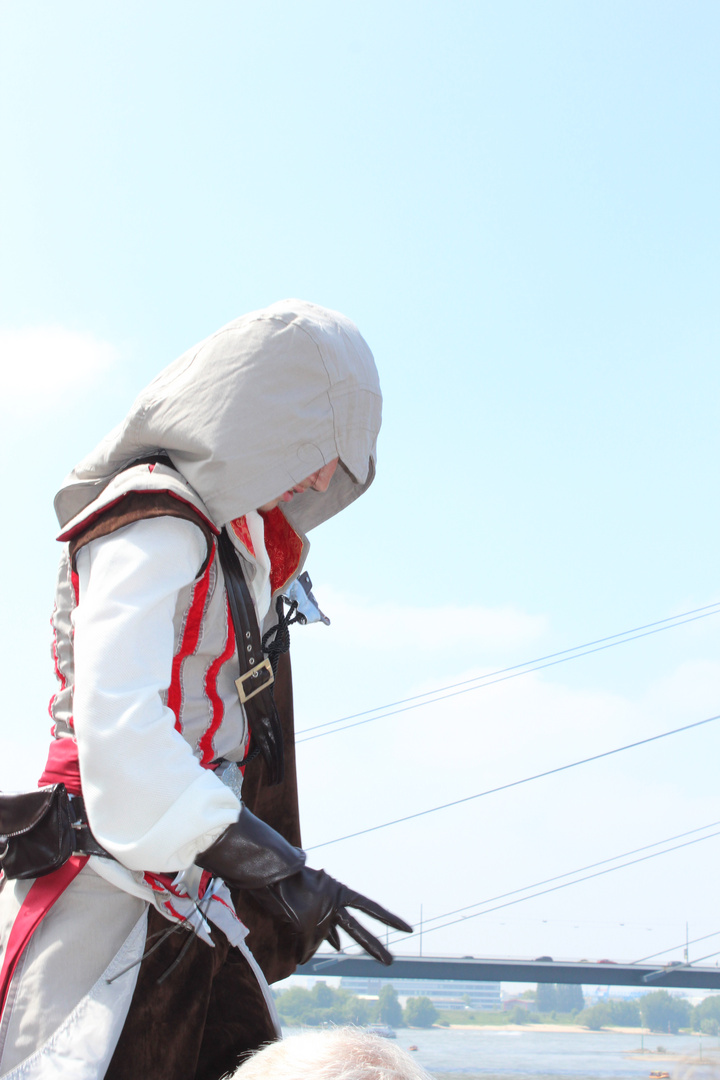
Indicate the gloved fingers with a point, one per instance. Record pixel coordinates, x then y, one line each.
350 898
334 938
363 937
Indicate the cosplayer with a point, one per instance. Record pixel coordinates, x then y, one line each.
155 883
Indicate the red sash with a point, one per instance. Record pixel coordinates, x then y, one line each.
43 893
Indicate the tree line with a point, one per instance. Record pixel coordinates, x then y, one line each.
324 1005
658 1010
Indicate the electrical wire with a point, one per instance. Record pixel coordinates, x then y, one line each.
501 675
682 945
513 783
554 888
691 963
581 870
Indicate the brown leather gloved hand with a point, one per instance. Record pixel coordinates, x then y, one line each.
251 855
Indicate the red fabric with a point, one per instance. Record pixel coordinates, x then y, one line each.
158 882
43 893
218 709
56 663
284 547
205 879
75 581
62 766
188 644
240 528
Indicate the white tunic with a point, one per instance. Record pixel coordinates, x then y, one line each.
151 802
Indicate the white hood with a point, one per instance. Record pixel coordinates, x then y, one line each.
250 412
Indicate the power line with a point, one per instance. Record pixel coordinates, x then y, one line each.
682 945
581 870
555 888
513 783
656 976
501 675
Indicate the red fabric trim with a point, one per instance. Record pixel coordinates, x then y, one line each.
176 914
188 644
240 527
211 677
232 910
43 893
56 664
284 548
162 883
75 582
62 766
155 882
68 534
205 879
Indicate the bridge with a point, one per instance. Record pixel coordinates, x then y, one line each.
469 968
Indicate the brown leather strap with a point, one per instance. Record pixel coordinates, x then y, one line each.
136 506
260 708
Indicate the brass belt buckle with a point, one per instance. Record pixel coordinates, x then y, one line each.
244 694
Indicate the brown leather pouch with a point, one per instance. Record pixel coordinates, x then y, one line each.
36 832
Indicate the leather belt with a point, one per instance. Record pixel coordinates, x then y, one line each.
84 841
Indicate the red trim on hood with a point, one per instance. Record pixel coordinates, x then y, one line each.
284 548
240 527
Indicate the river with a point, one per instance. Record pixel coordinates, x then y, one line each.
472 1054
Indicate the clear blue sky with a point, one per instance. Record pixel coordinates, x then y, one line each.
517 203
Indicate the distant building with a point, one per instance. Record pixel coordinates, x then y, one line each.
518 1003
444 993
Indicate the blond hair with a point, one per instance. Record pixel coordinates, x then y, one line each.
343 1053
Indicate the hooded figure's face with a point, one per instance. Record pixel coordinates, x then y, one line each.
319 481
272 405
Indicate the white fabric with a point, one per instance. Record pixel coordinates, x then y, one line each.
150 802
82 1046
251 411
180 901
244 416
260 582
62 1020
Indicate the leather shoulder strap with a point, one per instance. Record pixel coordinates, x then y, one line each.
256 677
136 506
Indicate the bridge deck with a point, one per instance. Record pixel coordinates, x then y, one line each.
530 971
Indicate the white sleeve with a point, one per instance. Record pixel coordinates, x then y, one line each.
149 801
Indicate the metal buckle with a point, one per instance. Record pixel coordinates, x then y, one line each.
243 694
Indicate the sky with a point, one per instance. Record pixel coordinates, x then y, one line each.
517 204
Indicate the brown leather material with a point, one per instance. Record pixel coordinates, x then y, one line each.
251 855
255 679
272 940
316 905
136 506
277 805
36 834
200 1022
